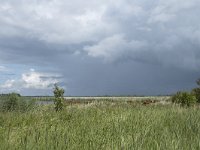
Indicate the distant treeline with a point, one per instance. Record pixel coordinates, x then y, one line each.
5 95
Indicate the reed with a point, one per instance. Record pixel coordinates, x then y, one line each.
102 125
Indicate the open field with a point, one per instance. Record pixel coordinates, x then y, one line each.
90 99
102 125
112 98
123 98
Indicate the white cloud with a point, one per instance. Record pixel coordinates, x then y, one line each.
52 21
32 80
114 47
8 84
38 80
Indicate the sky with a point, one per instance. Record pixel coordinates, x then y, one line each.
99 47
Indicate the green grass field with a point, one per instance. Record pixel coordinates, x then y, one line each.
102 125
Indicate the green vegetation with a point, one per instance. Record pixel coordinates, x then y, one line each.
187 98
15 102
102 125
184 99
196 91
59 97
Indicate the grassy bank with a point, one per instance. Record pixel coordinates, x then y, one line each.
102 125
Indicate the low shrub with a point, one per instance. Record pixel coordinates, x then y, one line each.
15 102
196 93
59 97
184 99
11 102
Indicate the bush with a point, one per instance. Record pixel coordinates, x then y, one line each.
11 102
196 93
184 99
59 97
14 102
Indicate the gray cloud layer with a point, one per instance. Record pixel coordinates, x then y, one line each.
106 47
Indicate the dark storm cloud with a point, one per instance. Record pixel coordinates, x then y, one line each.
167 32
105 47
25 49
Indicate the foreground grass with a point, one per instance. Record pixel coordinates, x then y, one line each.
102 126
